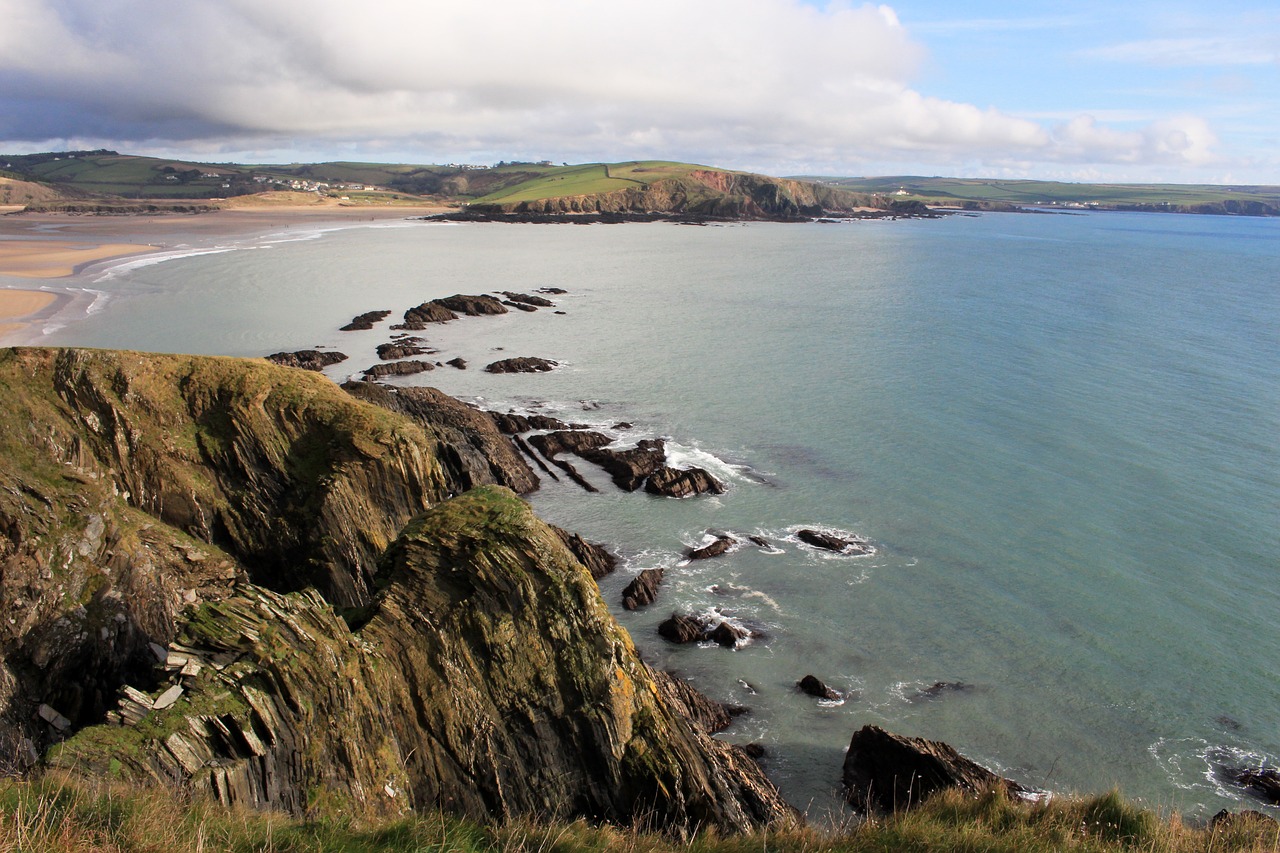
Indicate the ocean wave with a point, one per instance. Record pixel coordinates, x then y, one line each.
115 270
1196 764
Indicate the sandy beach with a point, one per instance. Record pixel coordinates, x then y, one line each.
52 246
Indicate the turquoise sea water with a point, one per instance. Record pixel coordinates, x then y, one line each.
1060 433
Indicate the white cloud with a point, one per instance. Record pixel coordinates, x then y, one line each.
733 82
1195 51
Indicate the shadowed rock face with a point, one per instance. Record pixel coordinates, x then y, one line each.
890 772
307 359
489 679
466 442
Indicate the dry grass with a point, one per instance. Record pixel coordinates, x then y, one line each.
61 814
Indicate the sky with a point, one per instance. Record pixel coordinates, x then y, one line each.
1140 91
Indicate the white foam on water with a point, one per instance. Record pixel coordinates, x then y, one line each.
824 553
116 270
681 455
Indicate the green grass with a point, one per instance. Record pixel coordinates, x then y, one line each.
953 190
62 813
587 179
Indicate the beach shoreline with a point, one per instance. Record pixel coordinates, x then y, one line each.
57 248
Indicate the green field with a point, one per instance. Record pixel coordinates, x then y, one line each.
1173 197
588 179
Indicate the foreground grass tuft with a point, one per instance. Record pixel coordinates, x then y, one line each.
59 813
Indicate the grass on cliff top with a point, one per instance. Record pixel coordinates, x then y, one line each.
588 179
58 813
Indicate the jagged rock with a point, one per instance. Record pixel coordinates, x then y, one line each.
888 772
1248 820
489 679
760 541
682 629
464 441
120 464
397 368
513 424
728 635
1263 782
418 317
831 542
520 364
933 691
643 590
811 685
552 444
682 483
399 349
459 362
712 716
520 306
756 751
597 559
628 467
306 359
365 321
715 549
526 299
554 291
472 306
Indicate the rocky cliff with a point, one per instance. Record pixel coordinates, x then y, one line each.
213 581
702 192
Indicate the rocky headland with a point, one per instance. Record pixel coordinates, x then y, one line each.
232 577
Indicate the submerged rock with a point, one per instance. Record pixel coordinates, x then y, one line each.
520 364
722 544
307 359
887 772
933 691
1263 782
526 299
400 349
365 321
831 542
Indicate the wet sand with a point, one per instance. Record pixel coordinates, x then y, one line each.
50 246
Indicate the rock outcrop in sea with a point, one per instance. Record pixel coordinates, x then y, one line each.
238 578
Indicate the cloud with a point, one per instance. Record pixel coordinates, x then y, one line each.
1212 51
762 83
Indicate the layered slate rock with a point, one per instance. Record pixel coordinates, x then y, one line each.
398 368
597 559
682 483
643 590
472 306
527 299
417 318
513 424
1262 782
832 542
887 772
307 359
489 680
400 349
465 441
135 485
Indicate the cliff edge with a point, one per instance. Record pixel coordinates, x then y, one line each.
234 577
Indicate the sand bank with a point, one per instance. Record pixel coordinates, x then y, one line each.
58 258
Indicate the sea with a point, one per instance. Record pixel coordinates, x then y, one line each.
1059 433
